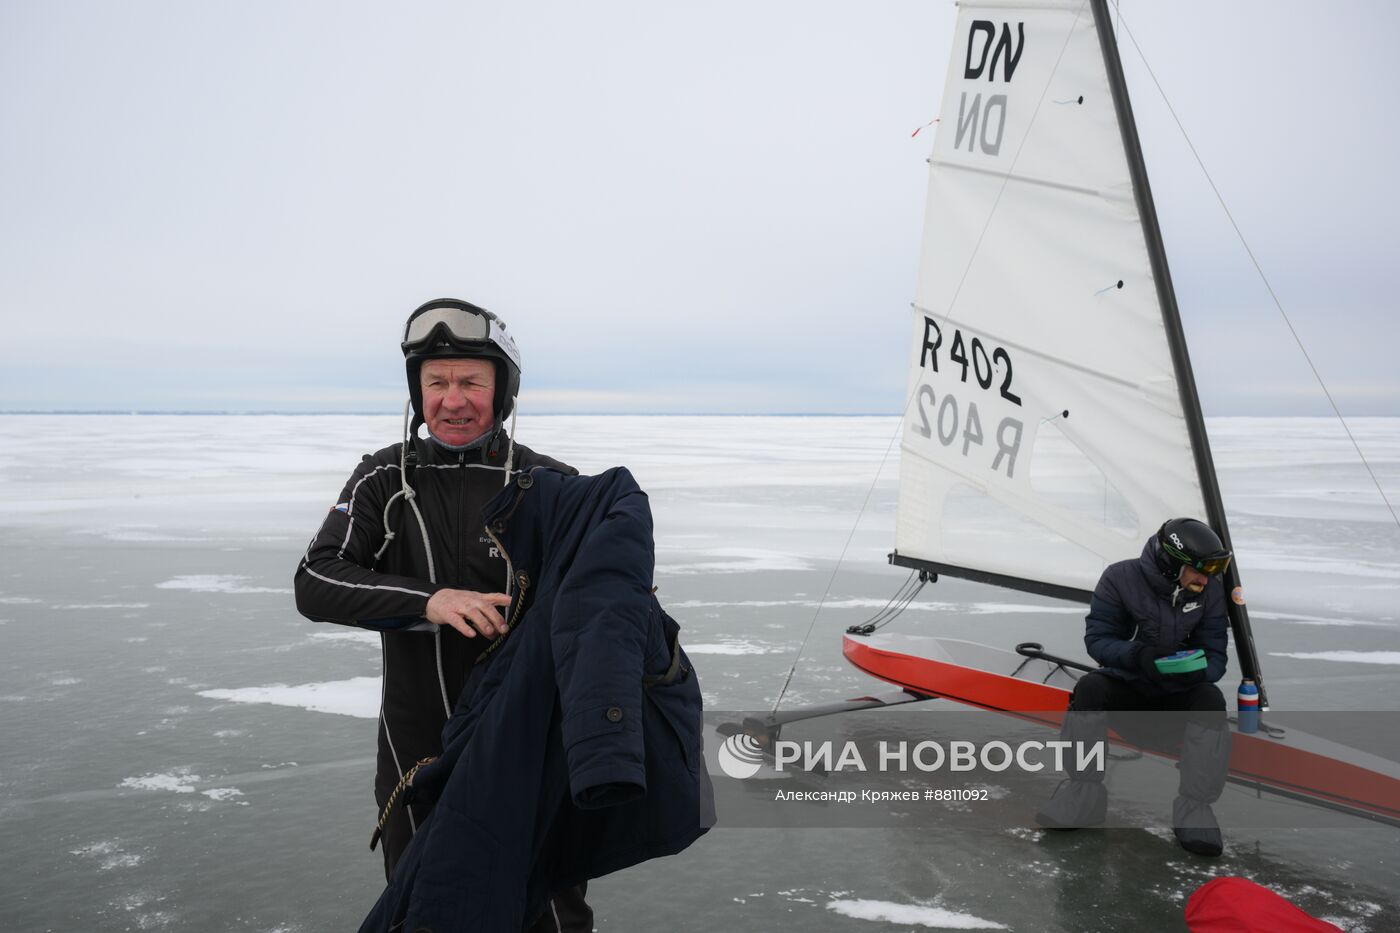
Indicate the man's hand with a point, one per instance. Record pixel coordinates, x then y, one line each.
468 612
1146 661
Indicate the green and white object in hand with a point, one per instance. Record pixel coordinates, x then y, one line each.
1183 662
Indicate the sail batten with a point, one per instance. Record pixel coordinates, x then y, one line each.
1024 179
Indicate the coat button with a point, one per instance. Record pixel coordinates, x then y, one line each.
614 714
524 481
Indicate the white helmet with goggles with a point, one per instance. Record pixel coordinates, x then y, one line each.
447 328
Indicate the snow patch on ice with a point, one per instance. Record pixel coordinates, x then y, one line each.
737 560
217 583
1322 567
108 854
1024 834
918 914
1297 619
730 647
104 606
1006 608
359 636
994 791
180 781
1354 657
747 603
224 793
358 696
877 603
133 534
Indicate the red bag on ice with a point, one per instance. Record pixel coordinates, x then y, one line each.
1238 905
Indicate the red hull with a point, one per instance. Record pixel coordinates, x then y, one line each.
1278 764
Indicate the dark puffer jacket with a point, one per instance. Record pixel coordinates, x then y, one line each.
575 749
1136 606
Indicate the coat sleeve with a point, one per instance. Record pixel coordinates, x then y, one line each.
599 637
336 582
1109 629
1212 635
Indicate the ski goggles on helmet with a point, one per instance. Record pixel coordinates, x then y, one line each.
456 324
1210 566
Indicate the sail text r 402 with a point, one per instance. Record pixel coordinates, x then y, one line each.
949 416
984 367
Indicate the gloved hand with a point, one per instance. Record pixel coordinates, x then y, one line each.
1146 657
1190 678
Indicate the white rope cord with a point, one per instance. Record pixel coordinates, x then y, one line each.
510 440
1260 270
787 681
388 535
411 496
510 461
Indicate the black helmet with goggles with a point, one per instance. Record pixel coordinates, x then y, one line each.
1186 542
447 328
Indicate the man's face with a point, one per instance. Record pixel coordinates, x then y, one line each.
457 399
1192 579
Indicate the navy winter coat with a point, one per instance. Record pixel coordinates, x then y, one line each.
575 749
1136 605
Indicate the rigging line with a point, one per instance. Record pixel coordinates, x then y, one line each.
898 595
787 681
904 604
1260 270
899 601
892 609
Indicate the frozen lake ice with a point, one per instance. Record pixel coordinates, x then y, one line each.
183 751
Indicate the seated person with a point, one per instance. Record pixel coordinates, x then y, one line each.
1169 599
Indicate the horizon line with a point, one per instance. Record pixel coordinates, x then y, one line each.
312 412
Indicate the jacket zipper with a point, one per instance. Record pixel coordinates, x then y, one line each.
522 587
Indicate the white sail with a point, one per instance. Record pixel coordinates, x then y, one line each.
1045 435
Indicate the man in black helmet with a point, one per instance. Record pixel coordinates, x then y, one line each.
1168 601
404 551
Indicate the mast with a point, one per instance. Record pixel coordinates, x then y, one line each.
1176 339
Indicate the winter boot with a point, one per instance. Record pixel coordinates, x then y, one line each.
1205 760
1194 823
1074 805
1081 800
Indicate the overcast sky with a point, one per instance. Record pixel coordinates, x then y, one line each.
678 207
